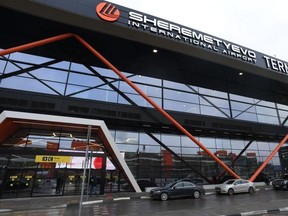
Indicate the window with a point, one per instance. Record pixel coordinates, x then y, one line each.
188 184
179 185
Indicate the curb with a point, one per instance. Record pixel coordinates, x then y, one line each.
118 199
109 200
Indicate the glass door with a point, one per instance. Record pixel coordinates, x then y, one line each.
48 181
17 183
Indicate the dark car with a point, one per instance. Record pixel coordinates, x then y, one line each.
178 189
280 184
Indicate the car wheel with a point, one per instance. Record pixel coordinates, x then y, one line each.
230 191
251 190
164 196
196 194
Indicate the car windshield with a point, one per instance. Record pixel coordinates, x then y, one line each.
229 182
169 185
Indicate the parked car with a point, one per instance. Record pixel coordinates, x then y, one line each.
235 186
280 184
178 189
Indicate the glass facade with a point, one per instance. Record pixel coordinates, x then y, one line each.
27 166
146 158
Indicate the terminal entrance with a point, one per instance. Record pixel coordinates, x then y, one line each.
44 158
18 179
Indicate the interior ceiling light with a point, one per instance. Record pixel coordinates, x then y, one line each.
56 134
155 50
240 74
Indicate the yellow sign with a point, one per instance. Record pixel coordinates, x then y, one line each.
52 159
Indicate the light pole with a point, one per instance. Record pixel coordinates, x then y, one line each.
85 166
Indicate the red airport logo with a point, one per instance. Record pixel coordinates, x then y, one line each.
107 12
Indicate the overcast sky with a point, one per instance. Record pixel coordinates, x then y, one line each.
261 25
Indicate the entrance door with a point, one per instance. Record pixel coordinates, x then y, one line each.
18 183
45 182
73 182
20 179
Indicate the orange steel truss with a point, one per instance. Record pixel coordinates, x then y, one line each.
140 92
259 170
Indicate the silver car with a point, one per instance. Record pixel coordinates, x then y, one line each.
232 186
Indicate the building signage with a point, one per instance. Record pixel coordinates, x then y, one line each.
153 25
128 18
52 159
189 36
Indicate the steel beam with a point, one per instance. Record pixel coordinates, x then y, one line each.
129 82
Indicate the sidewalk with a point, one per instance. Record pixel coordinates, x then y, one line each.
17 204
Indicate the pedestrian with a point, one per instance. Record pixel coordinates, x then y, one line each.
59 185
93 186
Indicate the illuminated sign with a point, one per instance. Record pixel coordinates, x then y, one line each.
138 21
79 163
166 29
189 36
52 159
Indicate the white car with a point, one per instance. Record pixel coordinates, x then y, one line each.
232 186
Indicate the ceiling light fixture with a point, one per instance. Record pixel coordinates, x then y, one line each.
155 50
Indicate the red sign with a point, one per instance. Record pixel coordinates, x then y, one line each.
98 162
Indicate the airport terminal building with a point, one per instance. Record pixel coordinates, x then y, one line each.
131 97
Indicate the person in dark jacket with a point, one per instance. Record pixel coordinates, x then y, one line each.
93 186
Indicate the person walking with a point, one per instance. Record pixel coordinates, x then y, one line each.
59 185
93 186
